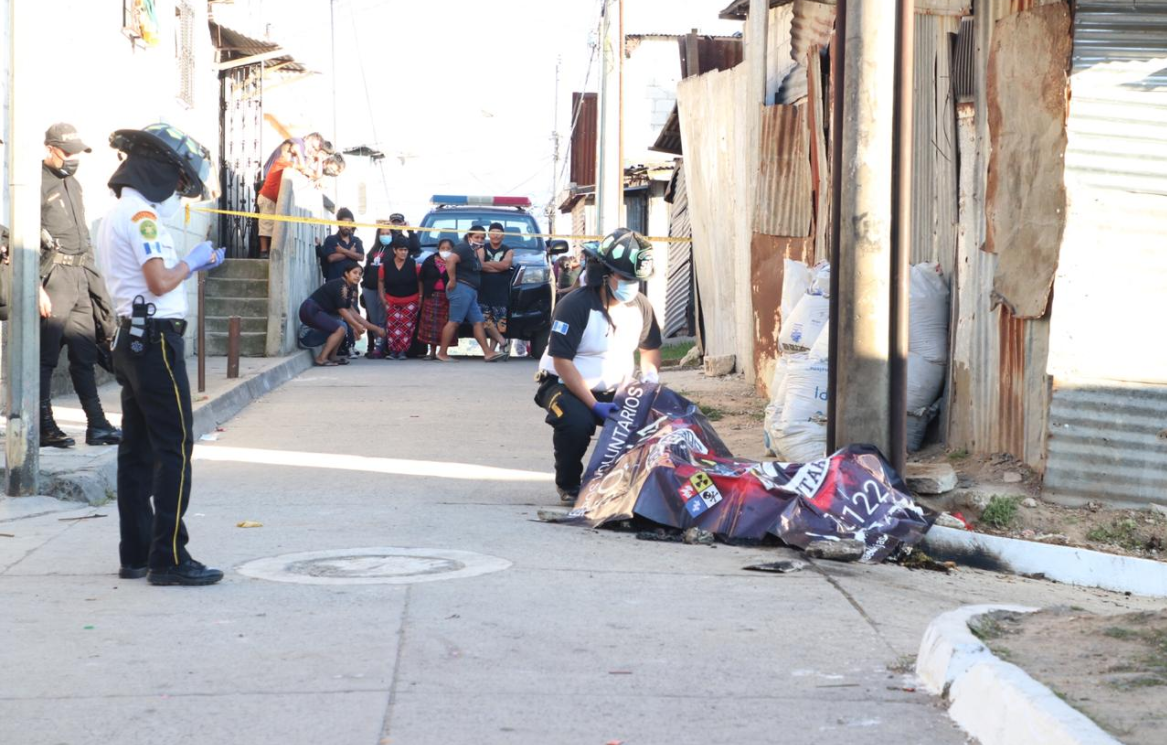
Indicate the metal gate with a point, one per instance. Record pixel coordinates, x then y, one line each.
240 141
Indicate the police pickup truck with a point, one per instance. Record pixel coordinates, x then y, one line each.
452 217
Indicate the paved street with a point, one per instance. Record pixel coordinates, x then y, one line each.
584 637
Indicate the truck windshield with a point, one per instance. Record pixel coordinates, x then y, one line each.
456 226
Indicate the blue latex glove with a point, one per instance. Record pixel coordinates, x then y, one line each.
604 411
204 256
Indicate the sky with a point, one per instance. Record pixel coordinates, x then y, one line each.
461 93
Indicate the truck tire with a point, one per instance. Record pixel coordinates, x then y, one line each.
539 343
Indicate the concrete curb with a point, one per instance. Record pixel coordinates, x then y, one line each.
97 483
994 701
1065 564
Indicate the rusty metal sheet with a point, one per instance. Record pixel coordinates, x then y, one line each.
784 201
767 255
820 160
583 139
1108 440
1026 192
713 53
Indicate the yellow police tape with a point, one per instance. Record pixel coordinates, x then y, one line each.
318 221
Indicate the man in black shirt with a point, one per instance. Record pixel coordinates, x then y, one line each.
494 296
70 285
465 270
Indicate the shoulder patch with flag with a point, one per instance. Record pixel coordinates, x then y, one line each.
560 327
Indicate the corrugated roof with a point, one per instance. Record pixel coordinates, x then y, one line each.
235 45
669 139
739 10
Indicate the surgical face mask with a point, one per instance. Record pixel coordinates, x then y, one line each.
626 292
170 207
69 166
386 240
444 254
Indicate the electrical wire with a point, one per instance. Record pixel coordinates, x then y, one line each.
579 105
368 101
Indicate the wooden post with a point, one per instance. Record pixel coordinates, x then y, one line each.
22 346
233 347
202 331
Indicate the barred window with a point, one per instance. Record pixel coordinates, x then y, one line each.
184 51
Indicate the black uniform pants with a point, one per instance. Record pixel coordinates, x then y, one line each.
574 425
70 325
154 455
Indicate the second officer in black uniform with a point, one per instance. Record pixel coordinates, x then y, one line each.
71 291
137 255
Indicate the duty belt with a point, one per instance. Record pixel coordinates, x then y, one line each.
177 325
68 259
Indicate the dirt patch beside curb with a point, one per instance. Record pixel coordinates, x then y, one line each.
1113 669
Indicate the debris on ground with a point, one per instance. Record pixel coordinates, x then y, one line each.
249 524
660 460
78 519
917 559
847 549
553 514
785 566
697 537
666 535
946 520
7 535
1112 668
930 478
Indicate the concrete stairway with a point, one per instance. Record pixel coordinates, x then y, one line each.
238 288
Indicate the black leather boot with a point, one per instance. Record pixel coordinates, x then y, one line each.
51 434
99 431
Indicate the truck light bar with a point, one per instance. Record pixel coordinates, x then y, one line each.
523 202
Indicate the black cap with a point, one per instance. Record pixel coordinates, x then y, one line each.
64 136
497 226
397 217
476 229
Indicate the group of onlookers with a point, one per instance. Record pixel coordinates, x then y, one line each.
406 297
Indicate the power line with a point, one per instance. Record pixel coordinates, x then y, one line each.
579 104
368 100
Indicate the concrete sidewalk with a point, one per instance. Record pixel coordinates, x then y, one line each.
537 634
89 474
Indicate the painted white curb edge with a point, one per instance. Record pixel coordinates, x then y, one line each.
1065 564
992 700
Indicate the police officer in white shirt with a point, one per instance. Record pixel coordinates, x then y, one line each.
595 332
145 277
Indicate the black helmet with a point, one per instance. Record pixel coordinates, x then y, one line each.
626 254
172 145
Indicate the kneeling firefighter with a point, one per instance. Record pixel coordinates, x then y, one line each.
594 334
145 276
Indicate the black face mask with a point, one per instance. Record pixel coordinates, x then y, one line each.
69 166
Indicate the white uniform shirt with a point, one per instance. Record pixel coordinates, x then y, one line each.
603 355
131 234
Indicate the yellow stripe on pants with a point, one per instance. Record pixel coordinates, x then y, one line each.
182 478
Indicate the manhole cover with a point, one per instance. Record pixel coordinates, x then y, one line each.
373 566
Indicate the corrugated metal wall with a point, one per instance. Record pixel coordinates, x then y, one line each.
1108 419
680 287
583 139
934 149
998 392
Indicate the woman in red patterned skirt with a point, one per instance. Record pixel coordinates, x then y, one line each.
435 307
398 284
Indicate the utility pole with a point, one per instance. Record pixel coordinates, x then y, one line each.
335 106
862 377
22 361
609 167
550 212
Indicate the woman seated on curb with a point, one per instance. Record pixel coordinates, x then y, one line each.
330 310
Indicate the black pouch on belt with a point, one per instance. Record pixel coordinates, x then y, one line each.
140 313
